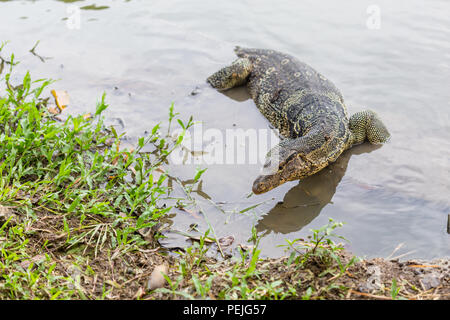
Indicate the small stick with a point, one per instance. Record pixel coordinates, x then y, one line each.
402 255
35 54
448 223
423 266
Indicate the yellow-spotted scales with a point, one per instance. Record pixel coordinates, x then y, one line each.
306 108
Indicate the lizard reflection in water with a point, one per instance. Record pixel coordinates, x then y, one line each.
304 202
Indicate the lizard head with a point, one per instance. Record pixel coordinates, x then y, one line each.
294 159
278 170
231 76
264 183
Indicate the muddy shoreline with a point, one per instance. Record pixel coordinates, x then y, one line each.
371 279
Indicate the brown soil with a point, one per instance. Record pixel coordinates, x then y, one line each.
125 275
366 279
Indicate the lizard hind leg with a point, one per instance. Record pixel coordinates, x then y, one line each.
231 76
366 125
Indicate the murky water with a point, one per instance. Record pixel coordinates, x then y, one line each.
147 54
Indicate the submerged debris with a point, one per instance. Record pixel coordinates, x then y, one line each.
195 91
448 223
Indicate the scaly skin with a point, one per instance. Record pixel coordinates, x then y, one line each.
306 108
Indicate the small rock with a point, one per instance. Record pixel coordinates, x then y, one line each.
430 280
374 281
418 271
26 263
226 241
75 274
157 280
5 214
374 270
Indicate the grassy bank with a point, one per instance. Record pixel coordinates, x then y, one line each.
79 219
70 198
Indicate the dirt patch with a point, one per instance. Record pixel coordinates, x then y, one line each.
366 279
85 272
414 279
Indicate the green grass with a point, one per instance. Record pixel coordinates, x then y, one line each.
72 174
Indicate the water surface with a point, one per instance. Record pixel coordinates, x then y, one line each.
147 54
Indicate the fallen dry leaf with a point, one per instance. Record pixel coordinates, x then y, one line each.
61 98
192 213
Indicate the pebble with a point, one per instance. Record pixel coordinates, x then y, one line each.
374 281
430 280
157 280
5 214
